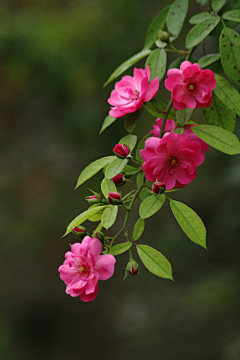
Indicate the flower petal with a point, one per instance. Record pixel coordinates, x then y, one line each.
105 266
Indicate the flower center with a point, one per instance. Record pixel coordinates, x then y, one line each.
173 161
136 93
191 87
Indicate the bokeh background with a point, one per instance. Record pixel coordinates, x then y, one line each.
54 57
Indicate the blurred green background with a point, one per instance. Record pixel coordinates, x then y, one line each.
54 57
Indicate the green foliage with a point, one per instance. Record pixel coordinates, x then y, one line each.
157 24
203 2
208 60
196 19
183 116
190 222
115 167
230 54
132 120
127 64
109 216
218 138
107 186
219 115
138 229
157 62
151 205
83 217
144 193
109 120
93 168
176 16
120 248
141 146
217 4
97 216
233 15
129 140
227 93
155 262
157 109
200 31
230 5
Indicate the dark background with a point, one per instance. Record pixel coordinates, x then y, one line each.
54 57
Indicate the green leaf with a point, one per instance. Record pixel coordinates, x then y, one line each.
160 44
157 62
183 116
227 93
120 248
157 24
196 19
138 229
97 216
83 217
219 115
155 262
93 168
107 186
231 5
133 119
217 4
129 171
109 216
230 54
190 222
218 138
115 167
141 146
176 16
208 60
144 192
233 15
157 109
129 140
200 31
127 64
216 67
179 131
109 120
151 205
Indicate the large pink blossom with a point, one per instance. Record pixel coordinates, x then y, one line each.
171 126
131 92
84 266
172 159
190 86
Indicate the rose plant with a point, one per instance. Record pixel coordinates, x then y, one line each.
168 157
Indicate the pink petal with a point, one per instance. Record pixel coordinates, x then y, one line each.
190 101
152 89
194 69
174 78
90 297
105 266
184 65
144 86
178 105
91 285
179 93
95 247
147 72
139 74
66 273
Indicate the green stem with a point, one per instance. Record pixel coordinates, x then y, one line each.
165 118
136 161
190 53
128 211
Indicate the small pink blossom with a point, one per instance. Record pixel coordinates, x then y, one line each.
172 159
118 180
158 187
171 126
190 86
84 266
121 151
131 92
114 198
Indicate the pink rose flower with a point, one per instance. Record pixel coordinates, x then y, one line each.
171 126
190 86
131 92
172 159
84 266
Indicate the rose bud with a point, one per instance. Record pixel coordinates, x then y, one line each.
99 235
118 180
132 267
121 151
114 198
163 36
158 188
79 231
93 199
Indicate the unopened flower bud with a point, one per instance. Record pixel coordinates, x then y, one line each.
121 151
158 188
94 199
118 180
114 198
132 267
79 231
99 235
163 36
